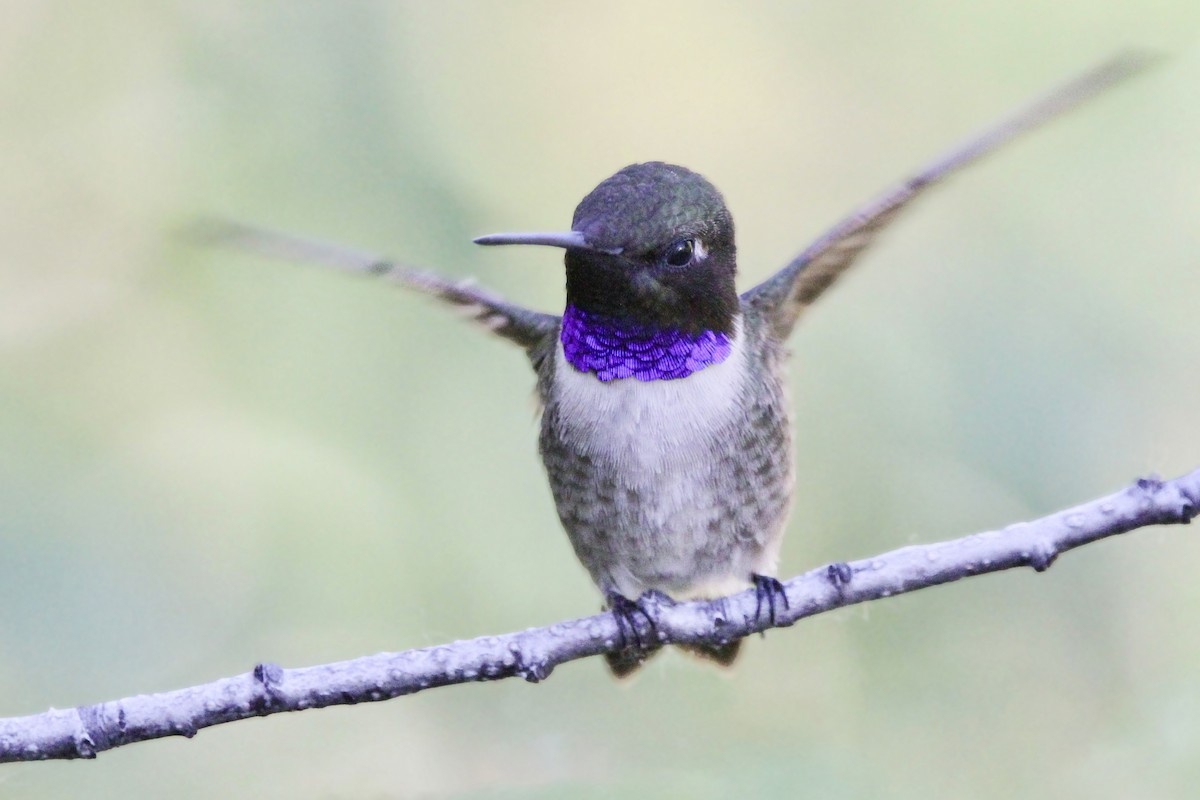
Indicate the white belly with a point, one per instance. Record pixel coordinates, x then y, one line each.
649 425
650 478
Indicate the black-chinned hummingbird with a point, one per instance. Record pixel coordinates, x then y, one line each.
665 431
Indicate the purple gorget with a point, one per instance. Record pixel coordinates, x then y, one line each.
613 349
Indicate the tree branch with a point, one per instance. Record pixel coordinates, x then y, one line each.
84 731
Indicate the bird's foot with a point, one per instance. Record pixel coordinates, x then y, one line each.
637 619
769 595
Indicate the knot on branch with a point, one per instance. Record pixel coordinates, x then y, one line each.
1168 501
270 677
1042 556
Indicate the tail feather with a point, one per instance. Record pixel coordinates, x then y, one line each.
624 663
721 654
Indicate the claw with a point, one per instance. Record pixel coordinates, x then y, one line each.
767 592
626 613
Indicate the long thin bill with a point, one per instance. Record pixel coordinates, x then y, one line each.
567 239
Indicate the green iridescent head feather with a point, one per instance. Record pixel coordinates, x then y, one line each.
647 205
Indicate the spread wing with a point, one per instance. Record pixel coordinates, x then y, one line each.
781 298
523 326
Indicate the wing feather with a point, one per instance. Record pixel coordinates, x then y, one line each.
523 326
784 296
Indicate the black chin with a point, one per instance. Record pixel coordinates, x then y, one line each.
693 300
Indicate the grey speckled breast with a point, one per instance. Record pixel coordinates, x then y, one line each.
679 485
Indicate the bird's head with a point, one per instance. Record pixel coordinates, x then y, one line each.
654 245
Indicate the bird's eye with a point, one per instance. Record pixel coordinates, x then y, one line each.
680 253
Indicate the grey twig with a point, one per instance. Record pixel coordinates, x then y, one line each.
84 731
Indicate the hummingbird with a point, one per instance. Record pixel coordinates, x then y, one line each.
665 427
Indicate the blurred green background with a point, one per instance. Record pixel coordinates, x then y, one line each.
207 460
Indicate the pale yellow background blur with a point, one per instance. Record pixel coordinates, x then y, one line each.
207 460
